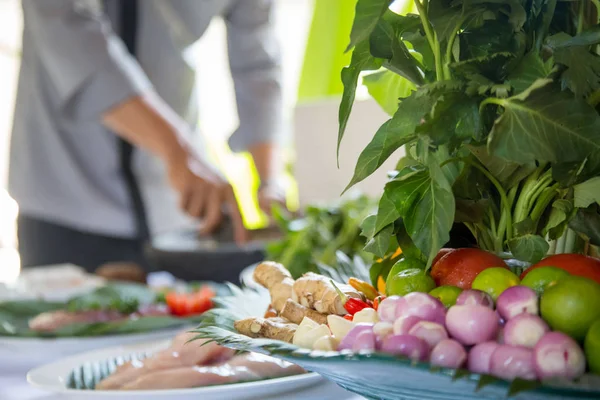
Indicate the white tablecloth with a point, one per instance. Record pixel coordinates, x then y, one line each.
14 386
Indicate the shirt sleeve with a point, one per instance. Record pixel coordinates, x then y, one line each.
85 61
255 63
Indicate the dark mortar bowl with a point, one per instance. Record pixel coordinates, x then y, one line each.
218 258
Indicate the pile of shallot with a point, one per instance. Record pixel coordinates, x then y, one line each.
509 341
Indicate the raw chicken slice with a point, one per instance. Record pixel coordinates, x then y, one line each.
178 355
54 320
188 377
265 366
243 368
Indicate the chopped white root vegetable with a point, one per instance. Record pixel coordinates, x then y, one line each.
383 329
306 336
325 343
339 326
368 315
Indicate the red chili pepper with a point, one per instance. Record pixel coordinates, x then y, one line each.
355 305
378 301
349 317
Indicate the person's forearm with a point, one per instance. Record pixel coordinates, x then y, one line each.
147 122
268 161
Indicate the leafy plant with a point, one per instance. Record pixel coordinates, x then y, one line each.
320 235
499 123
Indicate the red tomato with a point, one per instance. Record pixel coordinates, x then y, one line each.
460 267
575 264
441 254
185 304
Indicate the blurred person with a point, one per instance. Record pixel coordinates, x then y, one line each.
106 112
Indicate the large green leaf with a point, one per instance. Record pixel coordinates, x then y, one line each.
385 43
425 201
560 215
368 13
583 69
587 193
544 124
528 70
387 88
394 133
386 213
361 61
381 243
530 248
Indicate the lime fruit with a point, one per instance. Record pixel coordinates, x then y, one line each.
408 281
592 347
494 281
407 263
541 278
446 294
571 305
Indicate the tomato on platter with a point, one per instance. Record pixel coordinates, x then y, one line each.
575 264
460 267
186 304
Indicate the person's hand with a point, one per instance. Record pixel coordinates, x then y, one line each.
269 194
205 194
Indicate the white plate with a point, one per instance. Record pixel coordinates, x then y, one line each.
28 352
52 377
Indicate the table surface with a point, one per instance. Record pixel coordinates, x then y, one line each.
14 386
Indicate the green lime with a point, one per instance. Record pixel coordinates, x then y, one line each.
406 263
494 281
541 278
571 305
592 347
446 294
408 281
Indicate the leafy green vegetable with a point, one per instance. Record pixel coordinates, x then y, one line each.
550 126
502 131
530 248
316 237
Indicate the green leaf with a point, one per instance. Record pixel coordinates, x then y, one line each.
586 222
588 37
544 124
397 131
524 227
530 248
508 173
387 88
367 15
368 226
387 213
446 20
522 385
380 244
425 201
455 120
562 211
528 71
385 43
583 69
587 193
361 61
